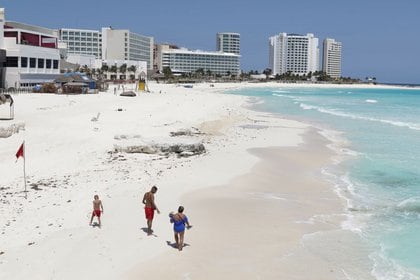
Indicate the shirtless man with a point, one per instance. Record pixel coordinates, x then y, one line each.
150 207
98 208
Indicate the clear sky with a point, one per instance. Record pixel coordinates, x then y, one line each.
381 38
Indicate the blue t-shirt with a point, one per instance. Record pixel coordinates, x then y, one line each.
179 224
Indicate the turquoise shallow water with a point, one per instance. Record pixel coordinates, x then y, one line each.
382 179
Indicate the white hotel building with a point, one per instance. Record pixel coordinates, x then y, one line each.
228 42
108 44
187 61
122 44
225 61
297 54
331 62
82 41
32 56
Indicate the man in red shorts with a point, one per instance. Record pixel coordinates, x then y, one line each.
98 208
150 207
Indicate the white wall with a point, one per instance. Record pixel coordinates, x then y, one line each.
13 74
82 59
113 44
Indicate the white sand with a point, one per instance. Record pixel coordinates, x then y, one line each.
68 157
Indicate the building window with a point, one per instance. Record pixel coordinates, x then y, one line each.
32 62
55 64
23 62
48 63
40 63
12 61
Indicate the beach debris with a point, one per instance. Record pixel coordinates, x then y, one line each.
128 93
31 243
186 132
35 187
6 132
126 136
180 149
1 252
95 119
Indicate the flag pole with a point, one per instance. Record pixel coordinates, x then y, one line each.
24 168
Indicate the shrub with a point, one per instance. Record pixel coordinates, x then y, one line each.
48 88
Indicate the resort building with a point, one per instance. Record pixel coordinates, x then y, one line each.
293 53
122 44
331 62
32 54
187 61
228 43
157 54
82 41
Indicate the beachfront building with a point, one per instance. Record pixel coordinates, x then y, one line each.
293 53
331 62
228 42
187 61
122 44
32 55
124 69
157 54
108 69
82 41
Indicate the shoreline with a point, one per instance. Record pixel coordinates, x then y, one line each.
265 223
229 129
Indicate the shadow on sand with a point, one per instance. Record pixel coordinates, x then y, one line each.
144 229
173 244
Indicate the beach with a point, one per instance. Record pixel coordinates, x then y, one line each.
259 206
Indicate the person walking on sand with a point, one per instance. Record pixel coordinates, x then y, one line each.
98 208
179 220
150 207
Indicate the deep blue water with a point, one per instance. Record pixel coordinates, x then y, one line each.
382 179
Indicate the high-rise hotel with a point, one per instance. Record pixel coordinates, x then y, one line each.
109 44
82 41
224 61
331 62
297 54
228 42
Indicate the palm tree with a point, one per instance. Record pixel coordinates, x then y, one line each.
104 68
113 69
132 68
94 72
123 68
85 69
167 72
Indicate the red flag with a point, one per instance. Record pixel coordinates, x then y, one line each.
21 151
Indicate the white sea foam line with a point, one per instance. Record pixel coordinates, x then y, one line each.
385 268
413 126
287 96
343 185
371 101
281 91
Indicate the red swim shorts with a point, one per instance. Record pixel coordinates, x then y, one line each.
96 213
149 213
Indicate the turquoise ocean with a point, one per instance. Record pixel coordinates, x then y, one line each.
380 176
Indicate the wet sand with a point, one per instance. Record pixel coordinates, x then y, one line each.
280 221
